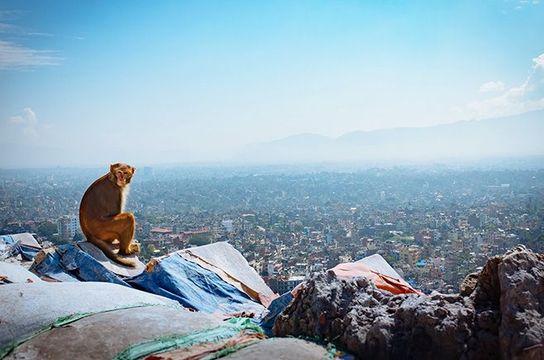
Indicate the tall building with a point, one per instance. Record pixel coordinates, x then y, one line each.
67 226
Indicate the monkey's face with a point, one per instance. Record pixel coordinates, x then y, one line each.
121 174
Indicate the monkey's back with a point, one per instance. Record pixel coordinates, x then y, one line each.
101 200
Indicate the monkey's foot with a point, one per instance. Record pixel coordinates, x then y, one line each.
135 247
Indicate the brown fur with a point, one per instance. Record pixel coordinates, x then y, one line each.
101 214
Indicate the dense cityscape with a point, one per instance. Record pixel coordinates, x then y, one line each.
434 225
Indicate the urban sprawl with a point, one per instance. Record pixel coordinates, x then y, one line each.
434 225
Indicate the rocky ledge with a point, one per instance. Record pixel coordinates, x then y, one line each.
499 313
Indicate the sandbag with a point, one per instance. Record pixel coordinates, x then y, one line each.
106 334
30 308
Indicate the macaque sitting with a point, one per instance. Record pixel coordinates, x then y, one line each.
101 214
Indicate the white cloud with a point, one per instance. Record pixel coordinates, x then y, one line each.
27 118
529 96
39 34
492 86
7 17
13 56
538 61
28 122
17 56
520 4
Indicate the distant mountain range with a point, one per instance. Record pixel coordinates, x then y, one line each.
520 135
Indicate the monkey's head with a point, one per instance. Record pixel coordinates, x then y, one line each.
121 174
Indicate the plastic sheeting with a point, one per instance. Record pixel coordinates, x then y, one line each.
28 308
377 271
15 273
69 263
377 263
47 265
274 309
230 335
223 259
111 265
193 287
172 276
23 244
211 350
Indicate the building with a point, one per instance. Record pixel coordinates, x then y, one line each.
228 225
282 285
67 227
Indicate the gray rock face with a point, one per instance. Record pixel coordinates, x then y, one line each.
521 331
499 315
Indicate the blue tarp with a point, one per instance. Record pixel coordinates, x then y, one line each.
275 308
194 287
69 263
28 252
172 276
50 266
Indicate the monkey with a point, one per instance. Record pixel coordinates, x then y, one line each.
101 215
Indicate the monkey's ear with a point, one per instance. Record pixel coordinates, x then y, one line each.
133 169
113 167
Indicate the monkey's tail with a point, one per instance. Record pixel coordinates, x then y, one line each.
106 249
110 254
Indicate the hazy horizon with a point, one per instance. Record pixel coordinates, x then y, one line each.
197 82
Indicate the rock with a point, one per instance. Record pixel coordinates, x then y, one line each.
469 284
353 317
498 314
521 331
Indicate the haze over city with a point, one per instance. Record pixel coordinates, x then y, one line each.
88 83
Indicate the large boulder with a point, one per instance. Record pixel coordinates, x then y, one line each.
521 331
499 314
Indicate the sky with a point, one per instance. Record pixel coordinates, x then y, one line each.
150 82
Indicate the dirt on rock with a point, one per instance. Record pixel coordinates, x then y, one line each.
498 314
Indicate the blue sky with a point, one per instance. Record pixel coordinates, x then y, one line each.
85 83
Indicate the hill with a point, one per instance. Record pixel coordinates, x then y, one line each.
518 135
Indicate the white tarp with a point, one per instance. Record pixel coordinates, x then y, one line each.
15 273
377 263
9 244
230 261
26 239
